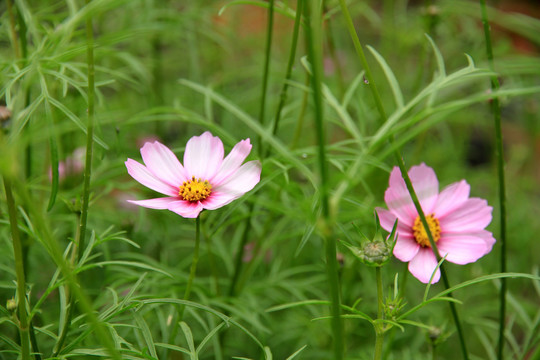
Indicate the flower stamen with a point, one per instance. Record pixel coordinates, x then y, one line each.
195 189
420 234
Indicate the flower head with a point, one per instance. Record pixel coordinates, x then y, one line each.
456 222
205 181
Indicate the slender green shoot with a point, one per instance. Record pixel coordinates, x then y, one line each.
89 134
19 270
266 68
379 326
14 37
314 46
496 109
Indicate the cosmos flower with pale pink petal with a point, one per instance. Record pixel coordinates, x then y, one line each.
205 181
456 221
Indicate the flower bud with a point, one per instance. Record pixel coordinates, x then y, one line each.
376 251
11 304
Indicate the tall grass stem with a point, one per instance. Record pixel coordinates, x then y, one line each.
14 37
314 46
89 132
266 68
402 167
499 152
379 326
19 271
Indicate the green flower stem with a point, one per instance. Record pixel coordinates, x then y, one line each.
22 55
496 109
80 234
15 38
19 270
360 51
379 326
314 46
89 133
266 69
402 167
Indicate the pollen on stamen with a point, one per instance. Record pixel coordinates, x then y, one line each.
420 234
195 189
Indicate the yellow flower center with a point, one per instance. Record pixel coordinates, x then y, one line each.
420 234
195 189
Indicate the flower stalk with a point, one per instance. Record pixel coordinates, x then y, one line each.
19 270
379 326
313 16
89 133
266 68
496 110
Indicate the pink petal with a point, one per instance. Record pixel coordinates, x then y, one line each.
462 248
406 248
243 180
163 164
232 162
387 219
203 156
398 199
218 199
186 209
472 216
488 238
140 173
451 198
426 186
423 265
158 203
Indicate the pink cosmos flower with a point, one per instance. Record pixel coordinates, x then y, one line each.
206 181
456 222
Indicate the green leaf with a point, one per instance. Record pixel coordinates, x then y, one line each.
392 81
146 333
297 352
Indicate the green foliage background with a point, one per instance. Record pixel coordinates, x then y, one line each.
173 69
